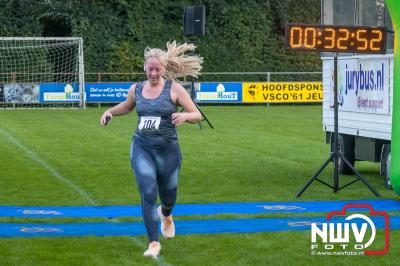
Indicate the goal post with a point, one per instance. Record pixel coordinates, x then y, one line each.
41 72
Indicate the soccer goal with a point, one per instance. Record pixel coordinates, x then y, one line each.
41 72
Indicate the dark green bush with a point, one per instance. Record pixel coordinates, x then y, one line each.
245 36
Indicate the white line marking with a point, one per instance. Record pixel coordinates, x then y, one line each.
48 167
33 156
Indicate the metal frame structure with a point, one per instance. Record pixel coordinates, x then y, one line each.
80 59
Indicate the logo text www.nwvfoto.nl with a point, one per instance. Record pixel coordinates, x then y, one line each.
334 237
363 79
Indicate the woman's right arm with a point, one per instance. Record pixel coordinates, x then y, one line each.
121 108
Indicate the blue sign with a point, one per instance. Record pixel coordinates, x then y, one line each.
222 92
107 92
94 92
59 92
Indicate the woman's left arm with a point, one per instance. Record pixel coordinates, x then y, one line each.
180 97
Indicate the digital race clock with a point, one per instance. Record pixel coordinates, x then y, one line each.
344 39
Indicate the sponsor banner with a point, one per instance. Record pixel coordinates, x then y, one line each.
282 92
19 93
207 92
361 85
59 92
94 92
224 92
107 92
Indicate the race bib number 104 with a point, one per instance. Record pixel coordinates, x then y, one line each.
149 123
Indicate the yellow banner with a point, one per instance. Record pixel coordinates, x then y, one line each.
282 92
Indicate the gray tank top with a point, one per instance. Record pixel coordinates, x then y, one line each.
154 116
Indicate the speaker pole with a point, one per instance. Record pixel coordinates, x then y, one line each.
194 25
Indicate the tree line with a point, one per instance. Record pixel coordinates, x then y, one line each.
240 35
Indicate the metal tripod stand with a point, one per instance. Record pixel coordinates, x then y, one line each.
336 154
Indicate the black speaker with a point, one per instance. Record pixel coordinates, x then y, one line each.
194 20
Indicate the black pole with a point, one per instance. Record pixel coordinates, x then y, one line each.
336 127
204 117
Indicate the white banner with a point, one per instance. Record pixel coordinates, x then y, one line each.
363 85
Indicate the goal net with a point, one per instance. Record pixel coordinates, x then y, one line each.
41 72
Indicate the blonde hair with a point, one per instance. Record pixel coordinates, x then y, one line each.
174 60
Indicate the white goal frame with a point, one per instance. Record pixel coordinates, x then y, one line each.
20 73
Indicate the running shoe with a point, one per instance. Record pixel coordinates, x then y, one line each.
153 250
167 225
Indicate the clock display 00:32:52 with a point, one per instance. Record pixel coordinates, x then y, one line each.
329 38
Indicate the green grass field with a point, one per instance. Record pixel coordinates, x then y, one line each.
255 153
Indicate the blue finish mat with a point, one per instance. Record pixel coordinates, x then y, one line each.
191 209
184 227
